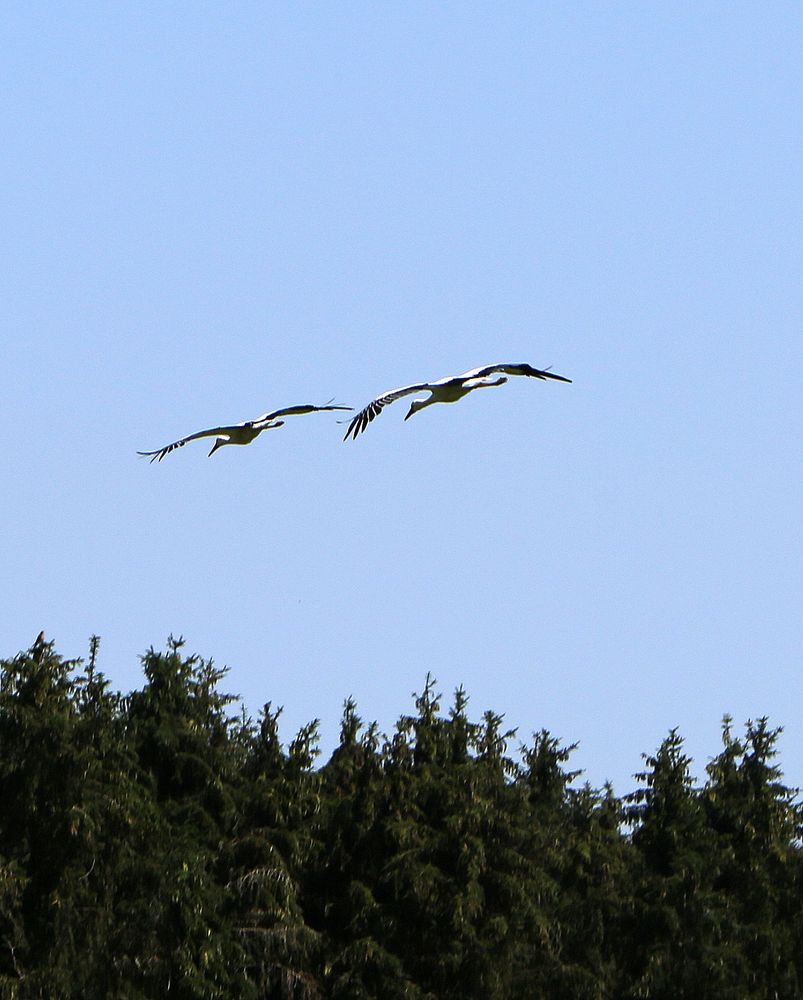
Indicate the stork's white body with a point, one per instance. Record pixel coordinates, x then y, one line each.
444 390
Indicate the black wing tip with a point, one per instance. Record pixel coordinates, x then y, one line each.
314 408
546 373
357 425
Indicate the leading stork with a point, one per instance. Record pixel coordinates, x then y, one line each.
445 390
240 433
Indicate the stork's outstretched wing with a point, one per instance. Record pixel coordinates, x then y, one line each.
512 369
375 407
212 432
291 410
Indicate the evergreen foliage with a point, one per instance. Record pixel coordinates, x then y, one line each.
159 844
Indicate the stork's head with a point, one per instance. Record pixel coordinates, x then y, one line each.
415 406
219 442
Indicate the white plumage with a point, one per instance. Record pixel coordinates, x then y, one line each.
444 390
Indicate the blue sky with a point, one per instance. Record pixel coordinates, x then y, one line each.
212 210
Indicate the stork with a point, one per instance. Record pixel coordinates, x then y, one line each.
445 390
243 433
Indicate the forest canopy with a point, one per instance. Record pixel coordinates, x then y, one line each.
163 843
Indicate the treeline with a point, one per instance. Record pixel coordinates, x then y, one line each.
159 845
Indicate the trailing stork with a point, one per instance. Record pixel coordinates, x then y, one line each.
243 433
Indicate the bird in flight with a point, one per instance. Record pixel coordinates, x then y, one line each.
445 390
243 433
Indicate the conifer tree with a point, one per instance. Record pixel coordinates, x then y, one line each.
455 880
278 801
575 852
73 821
344 893
681 932
51 820
181 733
757 821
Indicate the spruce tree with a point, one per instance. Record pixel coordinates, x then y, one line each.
681 938
181 732
345 896
757 821
278 801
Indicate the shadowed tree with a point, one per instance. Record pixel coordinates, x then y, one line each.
344 897
278 802
679 942
757 822
182 736
75 820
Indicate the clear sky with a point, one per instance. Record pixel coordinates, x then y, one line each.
213 210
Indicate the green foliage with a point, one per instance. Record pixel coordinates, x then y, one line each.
159 845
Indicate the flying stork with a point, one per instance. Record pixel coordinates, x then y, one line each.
445 390
240 433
